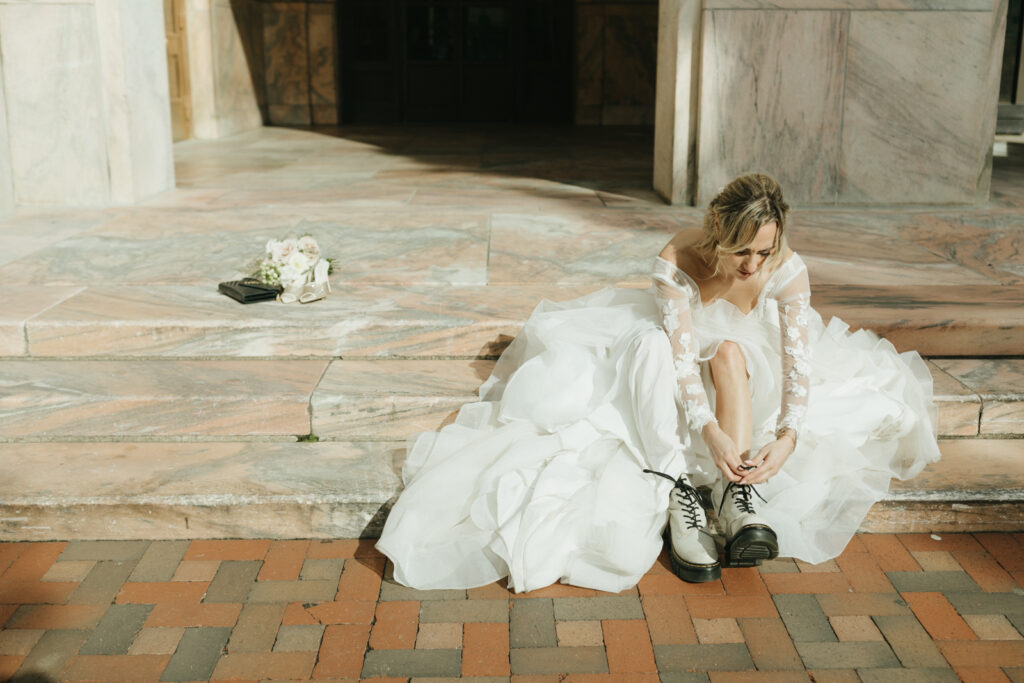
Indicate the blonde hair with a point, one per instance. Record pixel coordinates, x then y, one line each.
735 215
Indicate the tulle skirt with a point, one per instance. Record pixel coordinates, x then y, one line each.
542 480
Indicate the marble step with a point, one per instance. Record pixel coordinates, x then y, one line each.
344 490
347 400
425 321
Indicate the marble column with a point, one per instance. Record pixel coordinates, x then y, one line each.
6 172
675 113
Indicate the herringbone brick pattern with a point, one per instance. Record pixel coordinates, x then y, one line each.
892 607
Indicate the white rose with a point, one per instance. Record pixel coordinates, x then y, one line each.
309 246
299 261
282 251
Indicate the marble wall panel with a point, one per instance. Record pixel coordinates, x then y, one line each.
589 63
286 40
630 56
323 64
236 72
834 5
772 110
54 101
919 108
6 171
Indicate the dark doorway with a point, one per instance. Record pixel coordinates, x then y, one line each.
456 60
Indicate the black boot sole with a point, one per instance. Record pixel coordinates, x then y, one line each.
750 546
694 573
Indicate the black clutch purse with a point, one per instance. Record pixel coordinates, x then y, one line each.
248 291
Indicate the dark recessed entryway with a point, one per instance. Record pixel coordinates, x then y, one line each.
455 60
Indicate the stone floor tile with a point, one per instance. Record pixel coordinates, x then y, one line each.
936 560
196 570
548 660
72 571
852 604
300 638
341 651
769 644
290 591
447 611
104 550
855 628
907 676
628 647
717 657
325 569
439 637
256 628
485 650
938 617
804 619
958 581
992 627
233 581
343 612
197 654
48 617
717 630
227 550
578 634
581 609
103 582
283 561
668 621
52 652
986 571
157 641
846 655
160 561
889 553
117 630
265 665
412 663
395 625
532 623
19 641
910 642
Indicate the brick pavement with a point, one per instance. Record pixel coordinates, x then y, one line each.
902 607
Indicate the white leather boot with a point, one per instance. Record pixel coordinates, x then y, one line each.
748 537
692 550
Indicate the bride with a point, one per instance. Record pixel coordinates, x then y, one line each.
607 413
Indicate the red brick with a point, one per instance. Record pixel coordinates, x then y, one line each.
9 664
662 565
1008 551
628 646
396 625
670 584
33 561
8 553
716 607
116 667
227 550
537 678
938 617
833 676
668 620
863 573
769 643
48 617
558 590
743 582
342 651
822 582
162 591
948 542
5 613
985 571
981 674
343 612
284 561
856 545
389 679
344 549
485 650
193 614
295 614
991 652
889 553
264 665
361 580
35 592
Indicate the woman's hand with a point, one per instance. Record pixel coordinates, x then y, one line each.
724 451
769 460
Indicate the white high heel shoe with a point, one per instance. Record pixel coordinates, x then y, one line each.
319 287
292 292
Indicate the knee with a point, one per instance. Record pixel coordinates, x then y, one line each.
728 359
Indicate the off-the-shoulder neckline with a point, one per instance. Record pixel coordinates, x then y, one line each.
794 258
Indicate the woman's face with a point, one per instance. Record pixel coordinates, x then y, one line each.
745 263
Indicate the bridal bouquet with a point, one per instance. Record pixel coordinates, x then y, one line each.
292 264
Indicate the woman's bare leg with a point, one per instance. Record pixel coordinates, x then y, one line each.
732 390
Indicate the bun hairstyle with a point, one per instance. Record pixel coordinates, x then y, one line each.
735 215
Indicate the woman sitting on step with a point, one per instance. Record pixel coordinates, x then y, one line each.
607 413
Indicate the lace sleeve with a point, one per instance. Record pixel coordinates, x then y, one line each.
674 301
794 299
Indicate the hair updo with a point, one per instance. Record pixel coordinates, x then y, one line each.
735 215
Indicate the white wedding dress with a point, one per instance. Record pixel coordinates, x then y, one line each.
542 480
